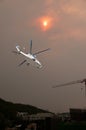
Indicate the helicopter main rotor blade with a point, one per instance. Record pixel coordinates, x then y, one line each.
41 51
31 47
66 84
22 62
15 52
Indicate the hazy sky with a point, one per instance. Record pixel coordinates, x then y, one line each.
65 34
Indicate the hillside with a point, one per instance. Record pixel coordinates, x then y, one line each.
9 109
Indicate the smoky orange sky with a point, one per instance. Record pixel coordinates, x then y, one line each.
65 34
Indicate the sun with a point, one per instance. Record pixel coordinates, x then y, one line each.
45 23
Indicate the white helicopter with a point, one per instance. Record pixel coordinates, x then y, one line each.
30 58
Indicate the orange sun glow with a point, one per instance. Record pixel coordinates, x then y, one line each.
45 23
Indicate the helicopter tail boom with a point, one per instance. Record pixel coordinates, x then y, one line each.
18 48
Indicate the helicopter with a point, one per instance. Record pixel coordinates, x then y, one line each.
30 58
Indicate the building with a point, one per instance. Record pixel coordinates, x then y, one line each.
78 114
40 116
63 116
23 115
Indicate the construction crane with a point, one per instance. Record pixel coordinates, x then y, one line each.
71 83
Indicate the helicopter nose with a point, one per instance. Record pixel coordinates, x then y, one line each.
39 66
